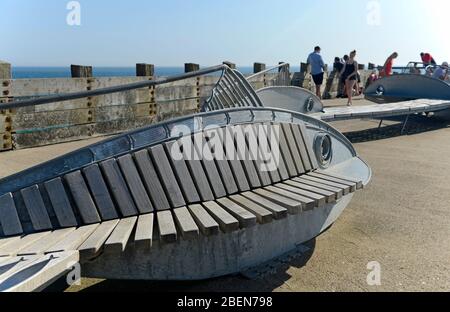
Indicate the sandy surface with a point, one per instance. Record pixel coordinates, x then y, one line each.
402 220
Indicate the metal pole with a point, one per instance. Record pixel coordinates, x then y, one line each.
108 90
404 124
381 123
267 70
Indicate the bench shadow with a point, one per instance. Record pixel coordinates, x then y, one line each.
267 282
416 124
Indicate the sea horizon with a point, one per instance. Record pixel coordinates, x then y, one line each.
29 72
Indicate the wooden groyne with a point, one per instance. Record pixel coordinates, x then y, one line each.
112 113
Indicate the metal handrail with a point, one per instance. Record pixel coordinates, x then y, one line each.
115 89
267 71
127 87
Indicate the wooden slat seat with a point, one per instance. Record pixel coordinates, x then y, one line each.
135 184
242 153
118 240
211 170
246 218
94 243
235 165
353 185
225 215
40 246
120 190
345 188
13 248
291 142
330 196
359 184
226 221
186 224
9 219
286 154
181 172
263 134
271 133
215 151
60 203
320 199
151 180
73 240
150 195
262 214
82 198
100 193
253 145
277 211
144 231
207 225
36 208
337 191
166 226
291 205
307 203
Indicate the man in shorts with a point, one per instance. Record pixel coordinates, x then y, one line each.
317 69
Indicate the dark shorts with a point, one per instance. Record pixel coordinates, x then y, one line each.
318 79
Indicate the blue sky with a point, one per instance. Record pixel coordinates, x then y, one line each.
172 32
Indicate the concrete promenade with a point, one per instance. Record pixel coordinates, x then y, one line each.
402 220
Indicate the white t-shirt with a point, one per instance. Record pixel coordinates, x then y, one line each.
439 73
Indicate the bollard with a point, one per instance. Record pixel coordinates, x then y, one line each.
303 68
6 116
5 70
361 66
258 67
371 66
145 70
79 71
191 67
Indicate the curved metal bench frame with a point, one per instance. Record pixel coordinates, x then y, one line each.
152 135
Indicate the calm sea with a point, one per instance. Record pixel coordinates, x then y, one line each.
64 72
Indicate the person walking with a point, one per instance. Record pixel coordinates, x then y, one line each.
350 73
388 65
341 87
317 69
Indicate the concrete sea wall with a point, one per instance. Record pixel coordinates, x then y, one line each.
113 113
